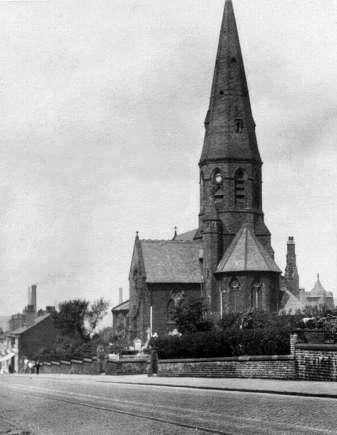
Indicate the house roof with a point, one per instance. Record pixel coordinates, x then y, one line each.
245 254
124 306
171 261
23 329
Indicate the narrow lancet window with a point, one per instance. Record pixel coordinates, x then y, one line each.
240 188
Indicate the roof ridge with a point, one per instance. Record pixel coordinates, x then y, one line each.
168 241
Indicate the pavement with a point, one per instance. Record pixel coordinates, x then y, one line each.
267 386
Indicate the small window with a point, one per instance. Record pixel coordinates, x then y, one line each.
238 125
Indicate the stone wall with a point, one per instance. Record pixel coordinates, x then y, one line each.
316 362
127 367
268 367
87 366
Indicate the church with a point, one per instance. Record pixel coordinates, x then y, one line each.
228 260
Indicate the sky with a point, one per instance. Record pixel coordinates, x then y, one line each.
101 129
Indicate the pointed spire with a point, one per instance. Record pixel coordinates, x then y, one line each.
230 128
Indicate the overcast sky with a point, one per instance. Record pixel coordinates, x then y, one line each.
101 127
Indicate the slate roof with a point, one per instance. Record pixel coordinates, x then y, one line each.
171 261
188 236
124 306
23 329
245 254
229 89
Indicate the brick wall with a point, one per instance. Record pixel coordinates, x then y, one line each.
269 367
316 362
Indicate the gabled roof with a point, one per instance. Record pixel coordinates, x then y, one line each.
23 329
124 306
290 303
245 254
171 261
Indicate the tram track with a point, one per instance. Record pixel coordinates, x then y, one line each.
52 395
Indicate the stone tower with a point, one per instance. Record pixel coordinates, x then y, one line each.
291 272
231 179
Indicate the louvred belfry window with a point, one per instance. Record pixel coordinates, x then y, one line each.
240 188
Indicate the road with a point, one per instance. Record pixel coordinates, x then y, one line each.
93 405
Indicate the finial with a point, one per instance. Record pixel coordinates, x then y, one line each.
137 234
318 276
175 232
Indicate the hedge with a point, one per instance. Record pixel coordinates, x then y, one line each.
271 341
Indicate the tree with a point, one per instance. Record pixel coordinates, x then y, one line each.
70 318
190 316
95 314
78 319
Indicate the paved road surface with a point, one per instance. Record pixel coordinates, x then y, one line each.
86 405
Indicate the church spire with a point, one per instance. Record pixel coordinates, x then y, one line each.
230 128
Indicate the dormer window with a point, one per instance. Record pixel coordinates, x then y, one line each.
238 125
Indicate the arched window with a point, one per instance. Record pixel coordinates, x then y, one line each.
235 287
256 295
171 310
240 188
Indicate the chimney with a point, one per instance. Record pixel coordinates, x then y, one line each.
120 295
32 297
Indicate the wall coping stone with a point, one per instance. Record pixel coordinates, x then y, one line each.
46 363
88 360
76 361
124 360
320 346
231 358
68 363
55 363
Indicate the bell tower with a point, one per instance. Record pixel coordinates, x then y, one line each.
230 163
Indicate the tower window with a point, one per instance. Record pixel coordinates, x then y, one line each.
238 125
240 190
233 60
